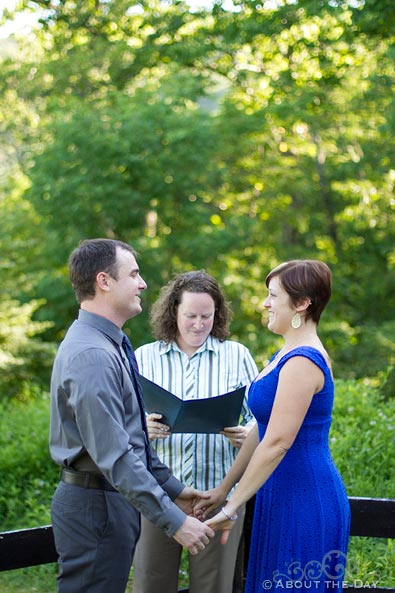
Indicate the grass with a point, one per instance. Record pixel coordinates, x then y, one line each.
36 579
42 579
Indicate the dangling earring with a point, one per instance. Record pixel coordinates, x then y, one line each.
296 321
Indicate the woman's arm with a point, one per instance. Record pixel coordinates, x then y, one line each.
218 495
299 380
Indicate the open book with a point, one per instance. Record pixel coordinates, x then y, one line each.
194 415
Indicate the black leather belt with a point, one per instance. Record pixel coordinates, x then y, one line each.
85 479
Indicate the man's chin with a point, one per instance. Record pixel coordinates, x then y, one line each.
136 310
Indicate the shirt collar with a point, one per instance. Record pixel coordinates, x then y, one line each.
210 344
102 324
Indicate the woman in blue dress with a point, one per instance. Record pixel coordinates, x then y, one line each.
302 517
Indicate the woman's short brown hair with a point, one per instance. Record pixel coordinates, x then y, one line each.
164 310
305 278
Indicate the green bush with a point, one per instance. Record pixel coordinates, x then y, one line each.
361 350
363 446
28 474
363 439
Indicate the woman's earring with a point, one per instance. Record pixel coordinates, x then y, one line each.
296 321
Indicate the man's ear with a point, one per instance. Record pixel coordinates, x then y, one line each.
102 281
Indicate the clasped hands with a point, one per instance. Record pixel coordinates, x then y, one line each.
203 518
203 509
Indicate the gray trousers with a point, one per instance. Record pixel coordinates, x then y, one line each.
95 536
157 562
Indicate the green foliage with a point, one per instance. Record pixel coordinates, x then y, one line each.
28 475
387 380
371 560
35 579
23 357
363 439
363 351
216 139
374 17
363 446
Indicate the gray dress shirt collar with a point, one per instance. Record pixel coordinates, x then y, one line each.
103 324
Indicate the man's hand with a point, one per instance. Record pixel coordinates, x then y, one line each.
189 498
193 535
156 430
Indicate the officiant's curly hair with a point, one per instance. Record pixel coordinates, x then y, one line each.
164 311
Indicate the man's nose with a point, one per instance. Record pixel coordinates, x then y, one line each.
142 284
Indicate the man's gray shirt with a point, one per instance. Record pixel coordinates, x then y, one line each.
94 409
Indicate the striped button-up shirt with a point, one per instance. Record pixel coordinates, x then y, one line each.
218 367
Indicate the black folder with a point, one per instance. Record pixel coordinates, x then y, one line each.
208 415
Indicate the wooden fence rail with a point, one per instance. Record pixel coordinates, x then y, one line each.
370 517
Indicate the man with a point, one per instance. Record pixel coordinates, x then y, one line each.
98 434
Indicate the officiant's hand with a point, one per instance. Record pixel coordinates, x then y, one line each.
156 430
236 434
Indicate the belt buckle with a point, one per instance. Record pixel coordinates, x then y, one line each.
87 480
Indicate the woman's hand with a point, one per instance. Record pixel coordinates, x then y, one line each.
156 430
223 521
204 508
189 498
237 434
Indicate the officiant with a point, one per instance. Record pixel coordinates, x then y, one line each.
193 359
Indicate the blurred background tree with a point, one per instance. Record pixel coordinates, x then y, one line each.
216 137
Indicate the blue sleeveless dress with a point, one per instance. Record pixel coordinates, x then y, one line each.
302 515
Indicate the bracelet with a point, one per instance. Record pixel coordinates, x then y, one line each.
229 517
